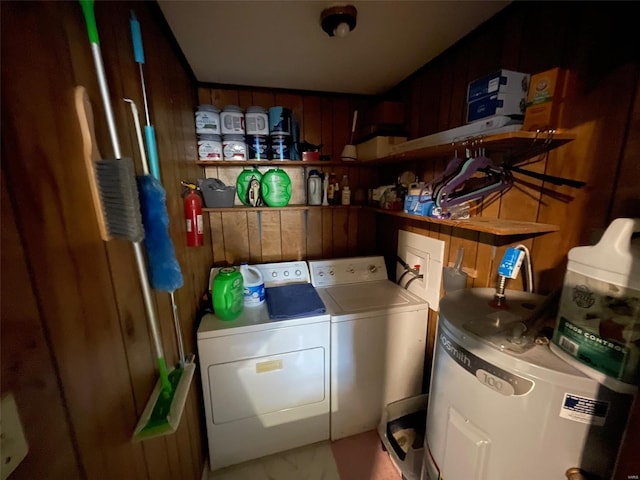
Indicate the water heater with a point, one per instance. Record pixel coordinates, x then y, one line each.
503 406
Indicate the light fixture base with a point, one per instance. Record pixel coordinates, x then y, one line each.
333 16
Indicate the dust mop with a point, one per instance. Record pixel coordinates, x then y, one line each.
168 280
119 215
165 275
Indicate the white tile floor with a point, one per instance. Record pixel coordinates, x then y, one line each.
312 462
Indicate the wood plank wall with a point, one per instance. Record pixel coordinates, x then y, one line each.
280 235
76 351
596 42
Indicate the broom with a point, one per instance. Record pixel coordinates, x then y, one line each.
117 193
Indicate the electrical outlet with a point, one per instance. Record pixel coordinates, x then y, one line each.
13 443
426 255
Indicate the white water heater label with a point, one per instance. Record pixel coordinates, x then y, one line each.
584 410
491 376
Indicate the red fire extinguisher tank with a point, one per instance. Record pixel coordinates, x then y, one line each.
193 216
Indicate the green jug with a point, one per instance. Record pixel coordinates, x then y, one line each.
228 293
242 183
276 188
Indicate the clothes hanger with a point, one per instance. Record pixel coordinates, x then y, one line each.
467 185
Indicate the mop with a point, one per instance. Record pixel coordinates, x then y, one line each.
114 188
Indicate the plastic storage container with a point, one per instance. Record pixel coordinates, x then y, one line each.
207 120
209 147
256 121
598 324
232 120
228 293
215 193
401 431
234 147
253 285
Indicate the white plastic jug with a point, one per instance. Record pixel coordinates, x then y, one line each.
314 188
253 285
598 323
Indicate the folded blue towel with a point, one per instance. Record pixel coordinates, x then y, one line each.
293 301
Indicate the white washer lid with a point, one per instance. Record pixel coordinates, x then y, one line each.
369 297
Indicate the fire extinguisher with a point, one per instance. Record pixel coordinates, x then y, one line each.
193 215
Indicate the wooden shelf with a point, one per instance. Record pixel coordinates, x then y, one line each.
494 226
242 208
278 163
515 146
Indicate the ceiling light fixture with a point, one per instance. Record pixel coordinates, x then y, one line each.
338 21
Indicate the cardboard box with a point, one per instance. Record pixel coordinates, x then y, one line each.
414 207
546 99
502 81
377 147
509 104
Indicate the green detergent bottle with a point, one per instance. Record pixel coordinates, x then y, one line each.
242 183
228 293
276 188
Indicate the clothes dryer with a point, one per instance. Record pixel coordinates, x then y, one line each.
265 382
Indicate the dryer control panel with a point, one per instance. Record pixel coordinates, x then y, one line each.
341 271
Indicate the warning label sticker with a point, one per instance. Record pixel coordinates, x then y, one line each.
584 410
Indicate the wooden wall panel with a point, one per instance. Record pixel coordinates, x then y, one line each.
27 371
596 45
97 336
317 233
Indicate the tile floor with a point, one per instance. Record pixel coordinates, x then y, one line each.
359 457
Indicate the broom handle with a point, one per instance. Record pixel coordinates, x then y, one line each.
153 321
145 167
149 131
136 121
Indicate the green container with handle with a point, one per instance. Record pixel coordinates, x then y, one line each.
276 188
228 293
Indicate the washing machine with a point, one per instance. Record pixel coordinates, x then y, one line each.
378 337
265 382
503 406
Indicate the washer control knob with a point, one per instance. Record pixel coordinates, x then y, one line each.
274 274
321 273
373 268
352 270
298 273
331 272
286 273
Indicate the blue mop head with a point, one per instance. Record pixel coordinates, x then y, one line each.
164 270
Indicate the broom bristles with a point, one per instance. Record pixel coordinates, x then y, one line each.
119 195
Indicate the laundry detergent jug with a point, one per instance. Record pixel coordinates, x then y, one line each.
276 188
253 286
243 183
598 323
228 293
314 188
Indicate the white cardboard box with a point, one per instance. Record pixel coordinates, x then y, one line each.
502 81
496 104
377 147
